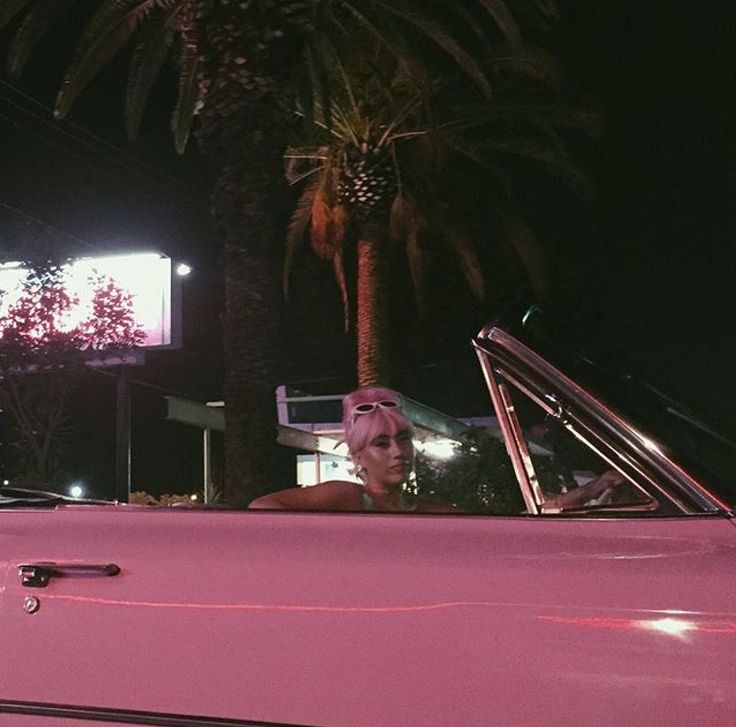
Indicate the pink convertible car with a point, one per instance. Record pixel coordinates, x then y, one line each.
532 607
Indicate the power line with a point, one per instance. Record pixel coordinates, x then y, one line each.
86 243
76 133
48 115
47 119
65 150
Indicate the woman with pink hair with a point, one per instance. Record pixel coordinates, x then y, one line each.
379 438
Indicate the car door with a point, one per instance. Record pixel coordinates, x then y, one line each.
365 619
612 613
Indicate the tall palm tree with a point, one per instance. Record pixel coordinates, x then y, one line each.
388 164
363 183
241 66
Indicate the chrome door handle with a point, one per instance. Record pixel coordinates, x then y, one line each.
37 575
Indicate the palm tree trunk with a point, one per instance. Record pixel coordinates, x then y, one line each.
245 209
373 307
239 134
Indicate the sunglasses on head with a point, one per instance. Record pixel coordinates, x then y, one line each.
369 406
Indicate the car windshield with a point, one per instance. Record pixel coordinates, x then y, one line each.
701 443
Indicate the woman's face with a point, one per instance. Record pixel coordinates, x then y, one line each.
387 459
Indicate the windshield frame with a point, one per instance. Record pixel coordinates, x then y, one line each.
684 489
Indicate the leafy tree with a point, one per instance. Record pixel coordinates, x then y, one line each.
478 478
391 161
42 354
241 67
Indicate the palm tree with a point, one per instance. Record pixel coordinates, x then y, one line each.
389 161
362 183
241 66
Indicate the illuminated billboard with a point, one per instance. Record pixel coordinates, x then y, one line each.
144 280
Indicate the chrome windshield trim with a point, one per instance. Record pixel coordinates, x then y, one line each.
687 489
510 435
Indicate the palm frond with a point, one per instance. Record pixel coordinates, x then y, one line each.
415 258
34 26
466 16
340 224
581 118
527 60
309 89
433 30
556 161
103 37
151 49
522 146
526 246
339 269
9 9
504 20
302 162
189 96
469 261
378 29
401 114
297 226
321 231
539 13
402 217
330 67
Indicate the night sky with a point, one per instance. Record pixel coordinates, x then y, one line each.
660 262
647 265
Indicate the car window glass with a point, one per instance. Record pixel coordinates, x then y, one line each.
461 463
566 473
474 474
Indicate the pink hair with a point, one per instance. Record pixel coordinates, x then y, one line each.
361 428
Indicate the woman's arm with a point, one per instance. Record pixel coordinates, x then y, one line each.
592 490
332 495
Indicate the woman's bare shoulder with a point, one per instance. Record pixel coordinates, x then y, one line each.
330 495
339 485
339 493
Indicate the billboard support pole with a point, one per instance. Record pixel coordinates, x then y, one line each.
122 439
207 465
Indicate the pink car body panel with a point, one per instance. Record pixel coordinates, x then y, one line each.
365 620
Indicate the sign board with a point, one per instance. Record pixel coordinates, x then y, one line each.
145 277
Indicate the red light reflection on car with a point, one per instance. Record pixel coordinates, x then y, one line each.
295 607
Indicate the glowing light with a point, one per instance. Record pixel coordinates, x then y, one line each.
670 626
650 444
76 491
437 449
182 269
679 628
6 482
193 498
